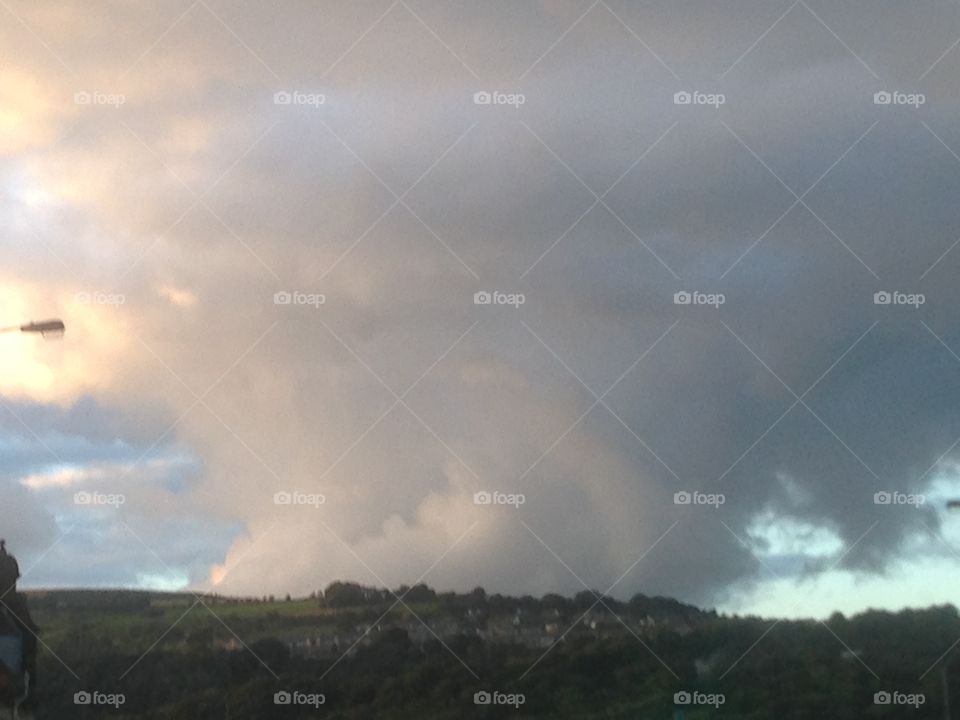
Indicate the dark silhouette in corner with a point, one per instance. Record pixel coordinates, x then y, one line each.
18 636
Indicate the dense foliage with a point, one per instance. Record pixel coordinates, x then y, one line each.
619 660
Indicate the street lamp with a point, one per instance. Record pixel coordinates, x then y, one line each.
45 328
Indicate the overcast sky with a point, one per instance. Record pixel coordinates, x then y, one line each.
168 169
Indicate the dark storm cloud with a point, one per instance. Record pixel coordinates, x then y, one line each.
797 199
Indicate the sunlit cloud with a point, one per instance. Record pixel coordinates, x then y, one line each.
162 202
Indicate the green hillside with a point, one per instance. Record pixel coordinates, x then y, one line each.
368 655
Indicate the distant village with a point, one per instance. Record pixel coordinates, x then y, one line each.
427 616
529 629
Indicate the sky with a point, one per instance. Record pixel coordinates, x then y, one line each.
540 296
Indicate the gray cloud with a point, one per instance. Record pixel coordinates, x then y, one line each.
301 199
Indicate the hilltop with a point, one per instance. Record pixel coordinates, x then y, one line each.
331 621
